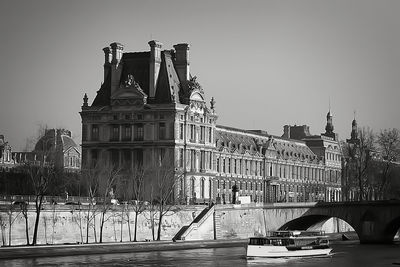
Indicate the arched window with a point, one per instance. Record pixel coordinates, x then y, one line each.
202 181
192 187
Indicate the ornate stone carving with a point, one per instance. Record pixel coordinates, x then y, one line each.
193 84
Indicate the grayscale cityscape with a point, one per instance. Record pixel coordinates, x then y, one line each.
206 133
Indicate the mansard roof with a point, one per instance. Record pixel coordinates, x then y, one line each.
294 149
168 82
285 148
137 64
103 97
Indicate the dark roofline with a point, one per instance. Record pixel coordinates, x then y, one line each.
254 132
242 130
288 139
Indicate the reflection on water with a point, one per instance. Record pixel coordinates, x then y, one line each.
345 255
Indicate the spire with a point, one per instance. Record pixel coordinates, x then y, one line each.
354 129
85 100
329 125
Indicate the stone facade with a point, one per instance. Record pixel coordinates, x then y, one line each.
150 106
56 146
6 160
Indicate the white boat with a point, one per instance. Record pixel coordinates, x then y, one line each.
285 244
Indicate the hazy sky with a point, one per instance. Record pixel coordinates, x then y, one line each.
267 63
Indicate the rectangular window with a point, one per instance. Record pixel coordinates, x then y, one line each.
127 133
193 159
210 135
126 158
84 132
192 133
161 131
95 132
139 132
161 156
202 133
139 157
114 136
217 164
181 131
181 157
115 158
94 154
210 161
203 160
202 188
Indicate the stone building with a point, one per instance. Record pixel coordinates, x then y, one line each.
149 106
55 146
6 160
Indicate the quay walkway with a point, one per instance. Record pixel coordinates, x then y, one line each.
106 248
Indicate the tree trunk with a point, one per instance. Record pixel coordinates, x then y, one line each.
136 217
26 228
101 227
129 227
122 220
38 205
152 224
88 224
9 230
159 227
94 227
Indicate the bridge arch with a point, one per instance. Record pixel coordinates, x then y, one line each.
374 222
307 221
392 228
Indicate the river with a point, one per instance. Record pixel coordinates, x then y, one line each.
344 255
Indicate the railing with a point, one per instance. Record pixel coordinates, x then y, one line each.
5 199
199 220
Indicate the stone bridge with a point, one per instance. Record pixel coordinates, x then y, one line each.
374 222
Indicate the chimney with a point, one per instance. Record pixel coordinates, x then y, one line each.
107 61
155 63
286 131
182 63
116 55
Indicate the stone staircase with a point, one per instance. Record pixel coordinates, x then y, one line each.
189 232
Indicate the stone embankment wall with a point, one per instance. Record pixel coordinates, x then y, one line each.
243 221
60 224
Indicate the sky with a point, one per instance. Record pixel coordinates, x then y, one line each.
267 63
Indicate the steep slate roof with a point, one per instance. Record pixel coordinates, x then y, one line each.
138 65
68 142
168 82
103 94
286 148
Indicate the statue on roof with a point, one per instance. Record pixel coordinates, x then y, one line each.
193 84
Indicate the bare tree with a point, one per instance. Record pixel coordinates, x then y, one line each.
91 182
41 175
107 181
101 180
163 179
359 157
137 193
389 147
3 226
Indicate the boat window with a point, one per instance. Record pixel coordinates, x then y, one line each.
256 241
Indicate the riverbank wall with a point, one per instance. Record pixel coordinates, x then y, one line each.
63 224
